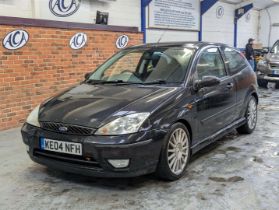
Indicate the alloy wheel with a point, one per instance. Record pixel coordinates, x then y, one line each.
177 151
252 114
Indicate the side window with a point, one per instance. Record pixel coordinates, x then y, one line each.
235 60
210 64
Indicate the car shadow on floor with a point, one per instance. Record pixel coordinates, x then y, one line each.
214 146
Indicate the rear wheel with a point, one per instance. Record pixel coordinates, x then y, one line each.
175 153
251 117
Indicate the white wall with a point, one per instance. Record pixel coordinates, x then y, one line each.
214 29
248 28
265 26
164 35
127 13
121 12
16 8
222 29
219 29
153 36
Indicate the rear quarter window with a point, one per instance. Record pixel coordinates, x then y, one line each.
234 60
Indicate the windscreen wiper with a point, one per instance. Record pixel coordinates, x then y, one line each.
93 82
160 82
111 82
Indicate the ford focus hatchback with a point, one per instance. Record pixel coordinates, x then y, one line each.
147 109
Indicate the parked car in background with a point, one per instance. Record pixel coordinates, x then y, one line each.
268 67
147 109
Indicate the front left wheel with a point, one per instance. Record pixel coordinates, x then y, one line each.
175 153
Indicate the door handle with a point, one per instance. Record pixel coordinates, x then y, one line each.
230 85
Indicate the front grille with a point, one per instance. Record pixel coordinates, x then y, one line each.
79 160
70 129
274 65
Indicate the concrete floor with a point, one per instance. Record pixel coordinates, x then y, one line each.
236 172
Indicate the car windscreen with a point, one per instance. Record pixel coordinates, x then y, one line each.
275 48
146 66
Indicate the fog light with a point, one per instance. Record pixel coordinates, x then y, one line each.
119 163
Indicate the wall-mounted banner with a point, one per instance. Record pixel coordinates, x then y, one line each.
175 14
122 41
64 8
78 41
15 39
220 11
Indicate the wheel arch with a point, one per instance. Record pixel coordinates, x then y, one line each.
256 96
188 126
252 92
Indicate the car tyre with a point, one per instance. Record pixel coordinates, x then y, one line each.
262 83
251 116
175 153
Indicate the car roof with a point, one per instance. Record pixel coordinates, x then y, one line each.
195 45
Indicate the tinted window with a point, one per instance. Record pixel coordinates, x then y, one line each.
125 65
210 64
146 65
235 61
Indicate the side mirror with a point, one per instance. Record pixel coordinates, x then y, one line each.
87 75
207 81
265 50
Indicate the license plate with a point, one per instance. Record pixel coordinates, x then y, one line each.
276 72
61 146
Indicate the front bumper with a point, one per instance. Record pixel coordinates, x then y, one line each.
267 73
142 149
273 78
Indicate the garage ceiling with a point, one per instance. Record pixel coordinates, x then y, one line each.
258 4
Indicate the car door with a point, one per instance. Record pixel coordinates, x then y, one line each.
215 105
239 70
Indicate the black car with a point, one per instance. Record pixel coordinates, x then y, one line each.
147 109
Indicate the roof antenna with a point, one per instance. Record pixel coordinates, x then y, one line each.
163 34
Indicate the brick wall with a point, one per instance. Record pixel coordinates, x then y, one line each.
47 65
127 63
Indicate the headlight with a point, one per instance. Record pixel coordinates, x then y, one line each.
32 119
124 125
262 62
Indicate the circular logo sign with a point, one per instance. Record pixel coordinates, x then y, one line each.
78 41
15 39
64 8
122 41
220 12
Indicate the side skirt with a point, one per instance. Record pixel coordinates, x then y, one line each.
195 148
